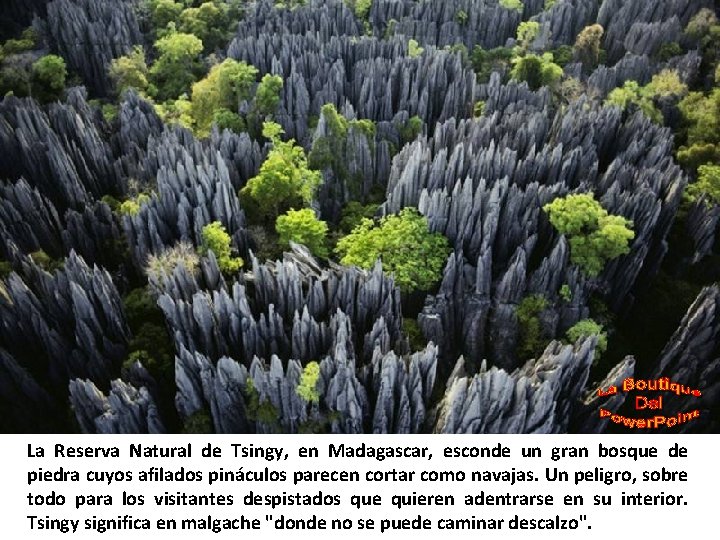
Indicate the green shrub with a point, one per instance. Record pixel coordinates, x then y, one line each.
707 185
284 180
530 338
216 239
517 5
303 227
585 329
405 245
198 422
595 236
307 387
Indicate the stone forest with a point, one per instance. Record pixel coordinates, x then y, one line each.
359 216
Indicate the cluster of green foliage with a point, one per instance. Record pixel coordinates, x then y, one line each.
220 92
404 244
703 32
45 261
199 422
285 180
411 129
16 71
414 334
210 20
484 61
177 65
701 115
588 46
527 32
461 17
586 328
595 236
517 5
329 151
632 95
353 213
361 8
131 206
216 239
565 293
44 79
531 340
536 70
668 51
150 345
307 387
303 227
707 185
257 410
130 71
414 49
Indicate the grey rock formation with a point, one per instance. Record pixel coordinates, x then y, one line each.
124 410
537 398
90 34
692 358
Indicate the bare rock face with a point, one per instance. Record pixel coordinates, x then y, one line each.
537 398
243 341
587 416
65 325
692 358
125 410
90 34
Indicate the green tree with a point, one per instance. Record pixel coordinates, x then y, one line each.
209 22
353 213
595 236
307 387
130 71
177 65
225 86
131 207
701 115
484 62
303 227
530 338
267 95
404 244
631 95
588 46
527 32
585 329
414 49
517 5
284 179
707 185
536 70
461 17
666 83
162 13
48 77
216 239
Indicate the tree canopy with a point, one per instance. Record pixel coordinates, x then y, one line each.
177 65
536 70
284 179
216 239
595 236
404 244
303 227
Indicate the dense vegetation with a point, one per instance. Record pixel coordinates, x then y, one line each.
326 203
